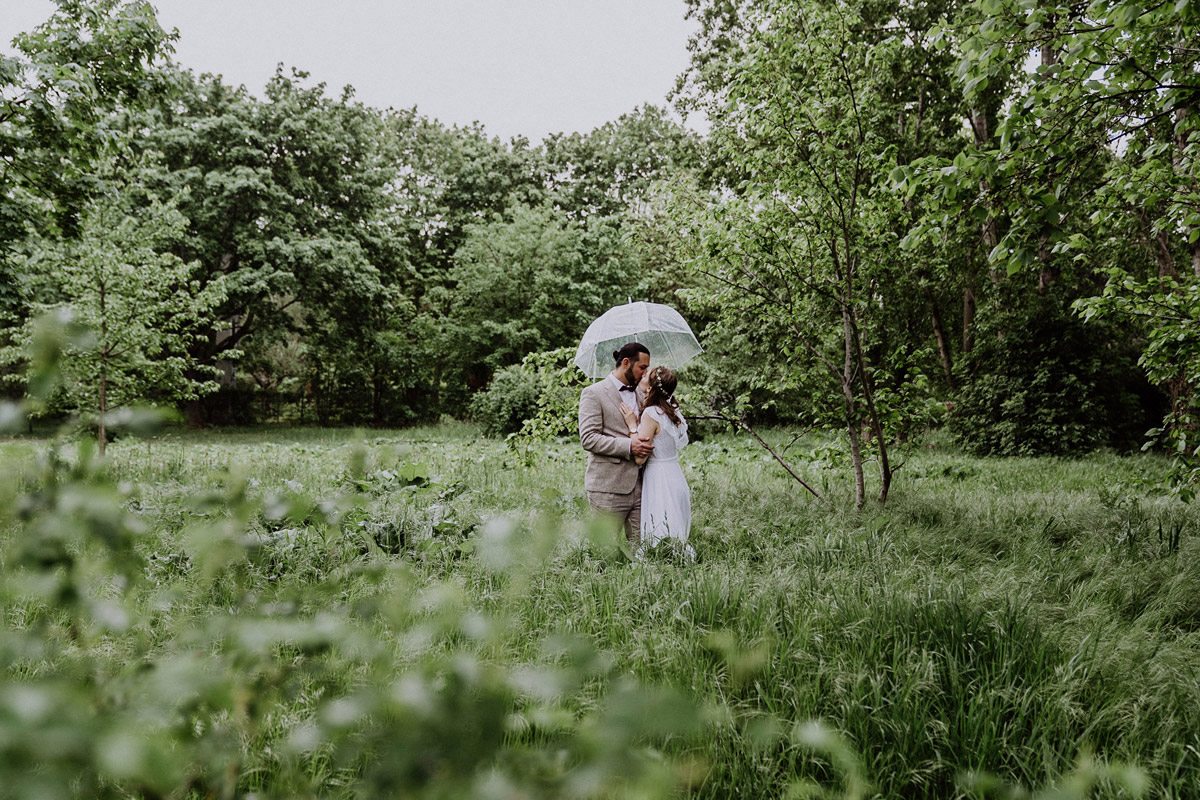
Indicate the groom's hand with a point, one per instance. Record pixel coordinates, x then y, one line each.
639 447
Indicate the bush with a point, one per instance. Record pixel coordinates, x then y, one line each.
1042 382
539 398
509 400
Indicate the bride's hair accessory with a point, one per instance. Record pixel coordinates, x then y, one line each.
657 380
662 392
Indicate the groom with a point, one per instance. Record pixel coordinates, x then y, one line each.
613 479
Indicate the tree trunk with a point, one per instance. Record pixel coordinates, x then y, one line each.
1046 272
885 464
1160 243
860 486
1177 160
874 421
193 411
853 424
939 336
968 323
989 235
101 429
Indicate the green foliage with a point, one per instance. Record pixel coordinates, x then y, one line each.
1120 75
529 284
366 677
510 399
286 204
557 412
810 111
538 398
380 268
1042 382
85 61
1085 160
376 376
1167 313
56 96
142 306
611 170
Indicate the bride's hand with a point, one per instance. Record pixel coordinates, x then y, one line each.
631 420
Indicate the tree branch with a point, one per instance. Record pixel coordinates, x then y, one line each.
748 429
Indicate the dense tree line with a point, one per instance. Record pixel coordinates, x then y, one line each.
906 214
344 264
982 203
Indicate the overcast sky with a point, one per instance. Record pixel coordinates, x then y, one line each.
528 67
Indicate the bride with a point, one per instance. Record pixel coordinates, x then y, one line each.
666 498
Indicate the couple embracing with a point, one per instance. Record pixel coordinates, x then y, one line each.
630 424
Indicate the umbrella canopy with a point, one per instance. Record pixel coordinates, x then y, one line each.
661 328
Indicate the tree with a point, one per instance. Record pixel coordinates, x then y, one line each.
809 115
142 304
529 284
521 247
451 178
610 170
1115 86
1167 312
288 204
1096 150
56 95
89 58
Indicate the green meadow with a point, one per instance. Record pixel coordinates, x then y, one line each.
429 613
956 242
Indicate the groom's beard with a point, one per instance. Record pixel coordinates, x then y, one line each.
628 377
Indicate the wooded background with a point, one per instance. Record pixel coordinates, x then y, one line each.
982 215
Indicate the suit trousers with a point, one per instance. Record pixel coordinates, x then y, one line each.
626 508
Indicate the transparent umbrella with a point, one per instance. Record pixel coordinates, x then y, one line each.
661 328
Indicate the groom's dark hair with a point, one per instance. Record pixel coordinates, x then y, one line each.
630 351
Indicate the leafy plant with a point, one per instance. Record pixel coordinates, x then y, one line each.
509 400
1168 311
538 399
141 306
1040 382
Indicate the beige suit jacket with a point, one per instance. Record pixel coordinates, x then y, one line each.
604 434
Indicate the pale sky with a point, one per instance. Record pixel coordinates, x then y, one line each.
528 67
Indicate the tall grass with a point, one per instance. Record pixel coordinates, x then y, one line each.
1001 617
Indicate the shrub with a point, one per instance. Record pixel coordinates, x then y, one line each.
538 398
1042 382
509 400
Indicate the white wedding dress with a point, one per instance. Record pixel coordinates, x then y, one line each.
666 498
